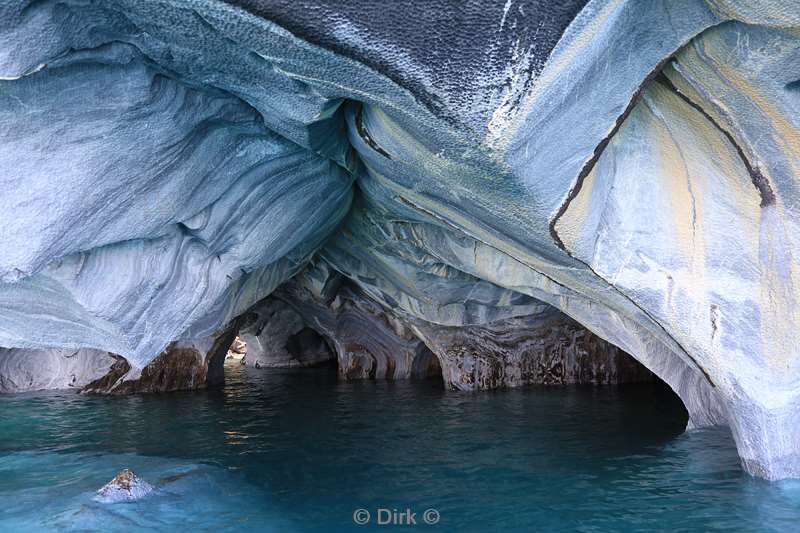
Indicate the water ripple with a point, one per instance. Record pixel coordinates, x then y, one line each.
299 451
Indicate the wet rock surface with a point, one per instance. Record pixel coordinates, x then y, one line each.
536 350
237 350
277 337
182 366
36 369
372 341
126 486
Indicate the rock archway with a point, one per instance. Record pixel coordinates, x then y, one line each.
167 165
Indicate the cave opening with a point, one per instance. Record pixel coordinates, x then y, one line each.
309 345
652 400
564 353
426 366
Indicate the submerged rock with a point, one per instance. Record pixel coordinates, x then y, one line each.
126 486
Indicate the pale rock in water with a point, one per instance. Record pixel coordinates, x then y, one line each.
126 486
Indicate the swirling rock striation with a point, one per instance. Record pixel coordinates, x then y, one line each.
167 164
371 340
545 349
126 486
277 337
24 370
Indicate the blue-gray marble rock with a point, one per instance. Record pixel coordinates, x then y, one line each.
125 487
166 164
24 370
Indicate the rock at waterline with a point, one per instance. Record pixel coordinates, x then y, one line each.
126 486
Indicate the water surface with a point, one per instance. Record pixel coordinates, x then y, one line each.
296 450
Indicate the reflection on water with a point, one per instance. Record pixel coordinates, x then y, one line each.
298 451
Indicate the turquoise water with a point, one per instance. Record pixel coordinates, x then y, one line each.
298 451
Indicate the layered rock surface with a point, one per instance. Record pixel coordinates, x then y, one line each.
367 340
633 165
276 336
544 349
372 341
181 366
24 370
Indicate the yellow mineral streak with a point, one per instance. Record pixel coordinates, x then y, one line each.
779 270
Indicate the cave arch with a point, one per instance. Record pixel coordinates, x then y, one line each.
262 134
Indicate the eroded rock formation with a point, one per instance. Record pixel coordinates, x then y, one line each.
126 486
276 336
237 350
369 341
36 369
374 341
545 349
181 366
468 168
